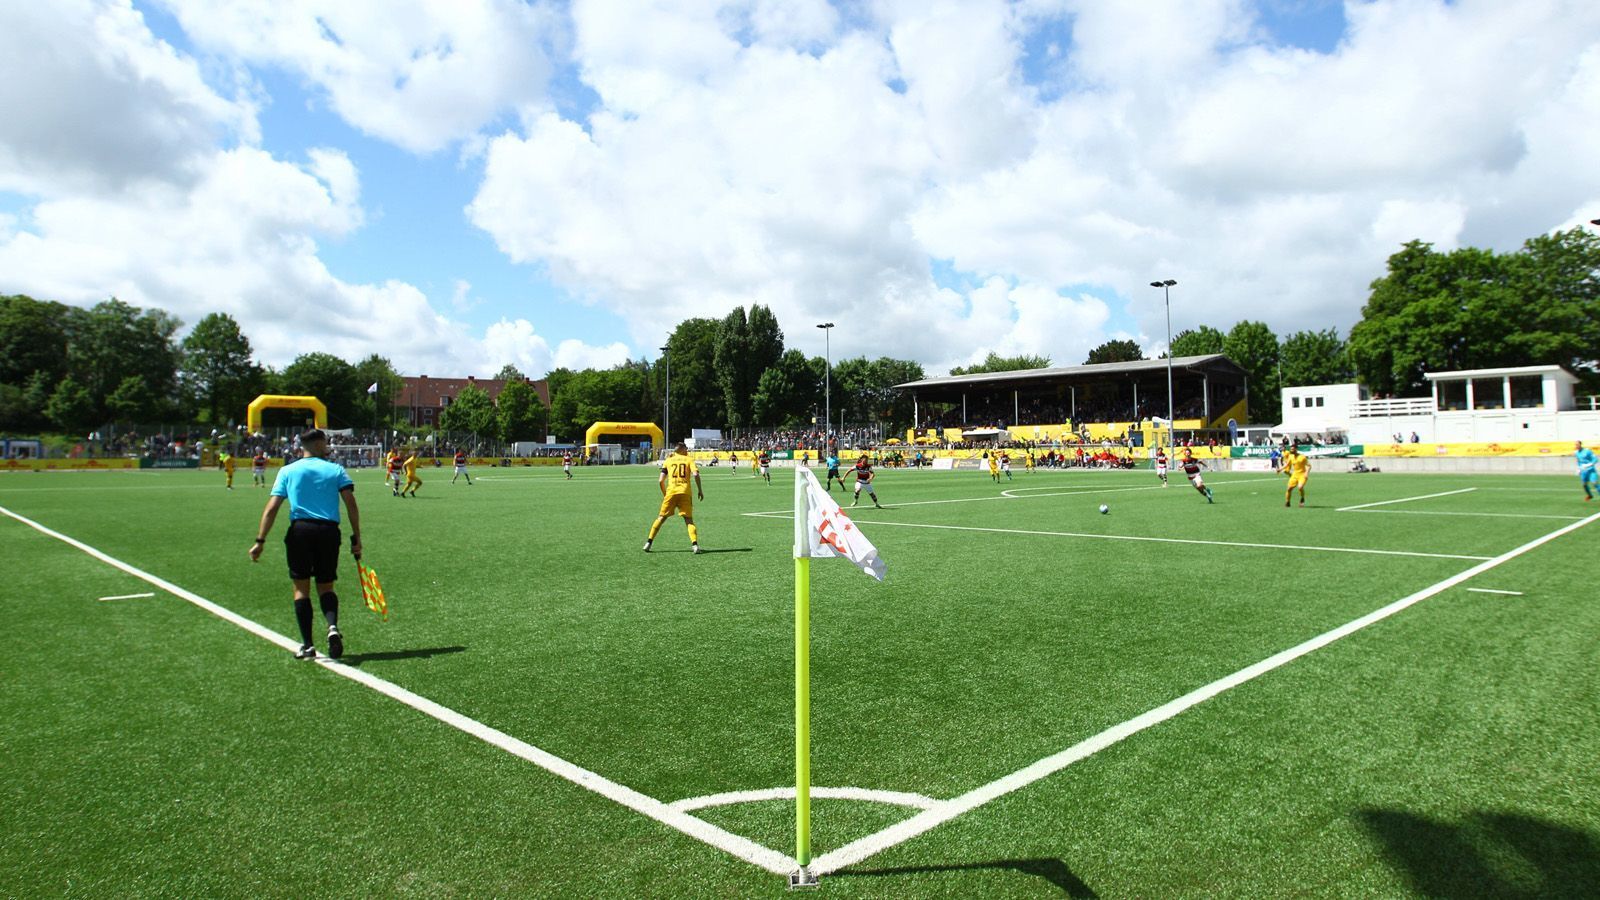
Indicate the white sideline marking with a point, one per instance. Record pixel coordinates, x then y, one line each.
1009 495
878 523
1493 591
1406 499
1435 512
892 798
743 848
922 822
127 596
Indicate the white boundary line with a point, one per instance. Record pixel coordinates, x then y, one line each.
1493 591
741 847
1486 515
878 523
1406 499
892 798
1009 495
127 597
899 833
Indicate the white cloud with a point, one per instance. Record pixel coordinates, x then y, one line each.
130 111
419 74
516 342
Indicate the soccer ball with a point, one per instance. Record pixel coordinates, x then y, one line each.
1104 509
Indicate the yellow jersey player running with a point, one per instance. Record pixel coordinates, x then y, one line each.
1298 467
228 465
413 480
677 471
994 466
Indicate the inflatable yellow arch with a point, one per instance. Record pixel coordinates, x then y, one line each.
319 413
590 437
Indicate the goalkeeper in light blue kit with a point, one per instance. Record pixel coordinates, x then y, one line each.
1587 476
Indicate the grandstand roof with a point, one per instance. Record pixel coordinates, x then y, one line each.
1100 370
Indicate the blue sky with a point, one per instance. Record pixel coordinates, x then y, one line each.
467 184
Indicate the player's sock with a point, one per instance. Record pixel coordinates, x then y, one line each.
302 616
694 535
655 529
330 608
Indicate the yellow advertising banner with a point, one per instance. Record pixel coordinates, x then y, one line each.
51 465
1509 448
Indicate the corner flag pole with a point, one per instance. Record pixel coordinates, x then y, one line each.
802 678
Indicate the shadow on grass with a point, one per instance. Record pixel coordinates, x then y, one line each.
1487 854
1052 870
704 551
356 659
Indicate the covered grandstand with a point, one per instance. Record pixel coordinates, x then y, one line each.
1082 402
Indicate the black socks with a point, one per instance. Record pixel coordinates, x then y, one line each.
330 610
302 614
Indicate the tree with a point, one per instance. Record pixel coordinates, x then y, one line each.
218 371
72 407
375 369
519 416
33 338
113 341
864 389
329 379
132 402
787 391
509 372
472 411
697 398
1202 341
746 346
1115 351
994 362
1315 357
1255 348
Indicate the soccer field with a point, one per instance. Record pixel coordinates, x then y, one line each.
1390 692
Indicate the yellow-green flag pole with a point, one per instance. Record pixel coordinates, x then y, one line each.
802 688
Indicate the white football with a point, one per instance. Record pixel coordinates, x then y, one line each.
1104 509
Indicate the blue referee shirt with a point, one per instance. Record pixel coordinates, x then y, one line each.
1586 463
312 486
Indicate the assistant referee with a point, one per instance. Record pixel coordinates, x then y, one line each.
313 486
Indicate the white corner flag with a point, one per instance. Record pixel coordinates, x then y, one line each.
821 529
373 389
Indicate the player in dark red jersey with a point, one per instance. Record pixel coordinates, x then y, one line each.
1191 467
566 464
461 467
258 468
864 475
762 463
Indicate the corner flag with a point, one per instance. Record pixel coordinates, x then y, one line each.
821 530
373 388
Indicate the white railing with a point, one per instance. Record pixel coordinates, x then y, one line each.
1404 406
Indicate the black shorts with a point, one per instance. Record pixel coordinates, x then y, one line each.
313 550
834 473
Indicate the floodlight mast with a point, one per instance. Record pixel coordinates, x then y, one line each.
1166 286
666 406
827 381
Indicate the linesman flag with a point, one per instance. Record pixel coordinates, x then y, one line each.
821 529
372 591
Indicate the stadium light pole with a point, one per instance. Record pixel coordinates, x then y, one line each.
666 412
827 381
1166 295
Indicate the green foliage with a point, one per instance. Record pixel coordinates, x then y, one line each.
116 341
329 379
1255 348
71 407
1315 357
697 400
1473 308
472 412
33 338
788 391
1202 341
1115 351
377 369
994 362
864 389
219 374
132 402
508 372
596 395
746 346
519 416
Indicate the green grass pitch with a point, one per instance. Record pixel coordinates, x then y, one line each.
151 748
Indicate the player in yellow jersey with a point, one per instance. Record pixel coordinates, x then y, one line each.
677 471
228 465
1298 468
994 465
413 480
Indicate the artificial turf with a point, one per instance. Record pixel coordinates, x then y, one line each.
152 748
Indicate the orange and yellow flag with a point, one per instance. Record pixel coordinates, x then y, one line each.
372 591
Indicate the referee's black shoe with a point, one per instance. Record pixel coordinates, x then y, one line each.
335 642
